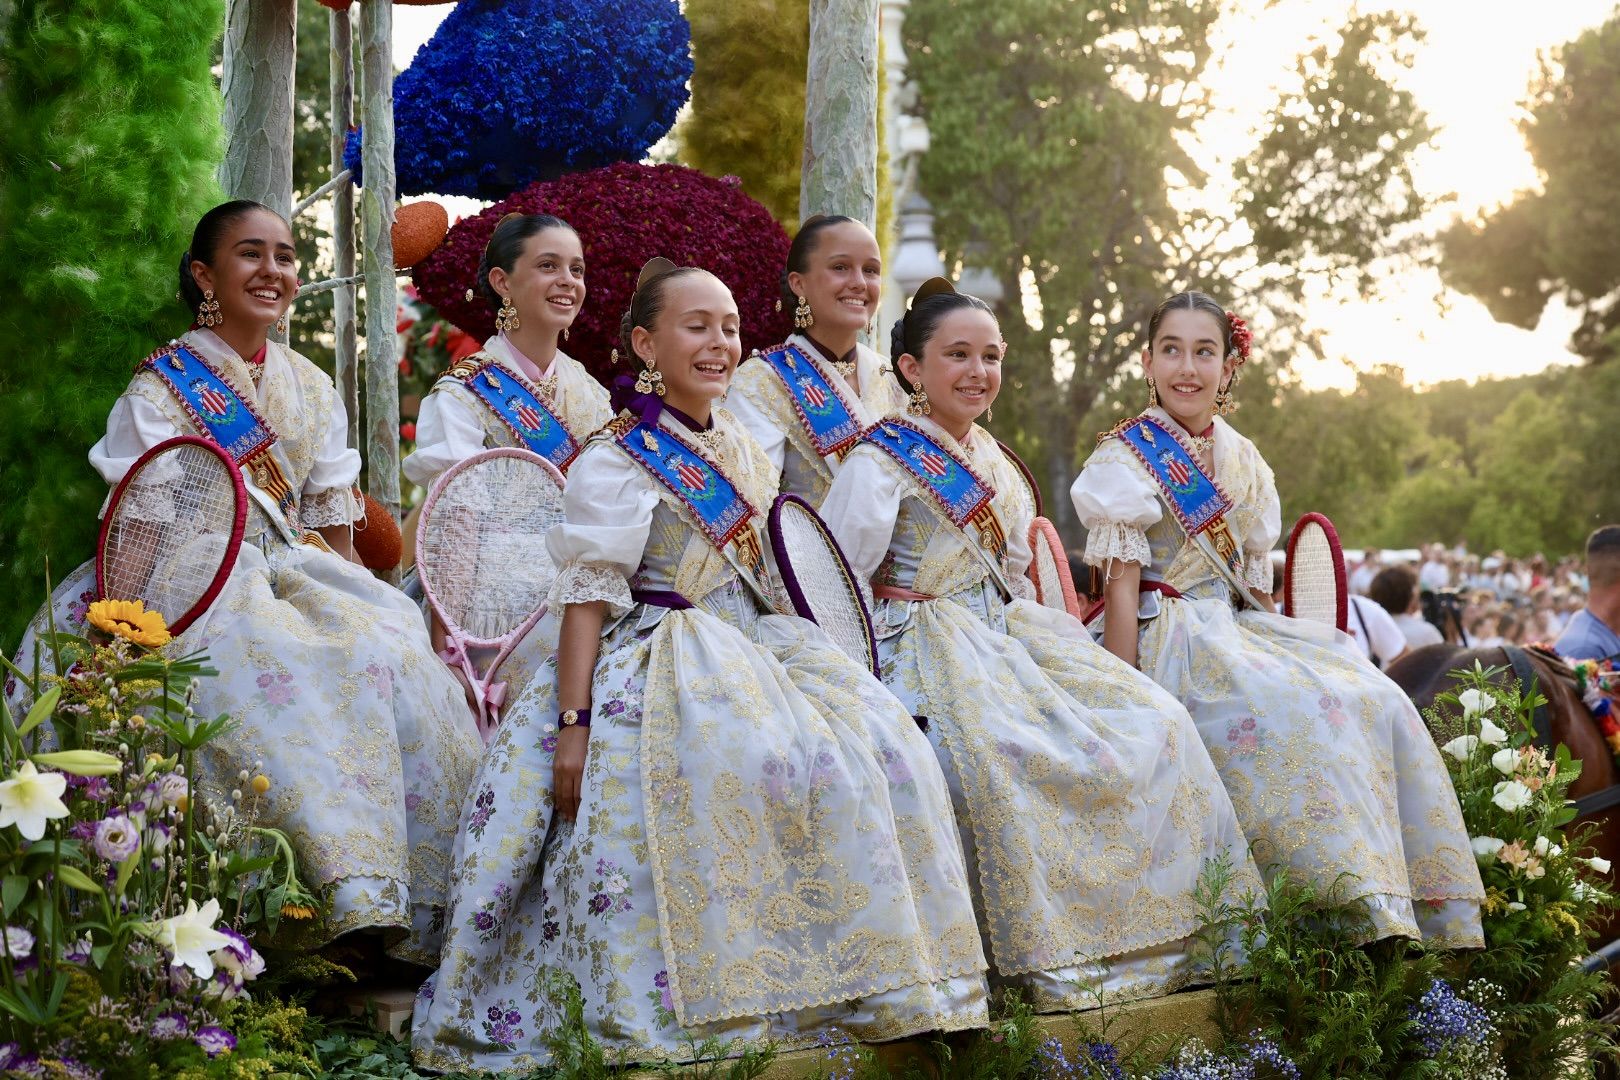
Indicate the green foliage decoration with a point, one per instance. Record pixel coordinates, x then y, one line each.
1558 240
109 138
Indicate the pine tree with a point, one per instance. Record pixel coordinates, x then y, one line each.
109 139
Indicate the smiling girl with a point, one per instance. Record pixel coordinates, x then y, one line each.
1086 803
326 670
1330 767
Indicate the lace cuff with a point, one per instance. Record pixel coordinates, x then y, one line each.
1257 570
334 506
1022 587
581 583
1116 540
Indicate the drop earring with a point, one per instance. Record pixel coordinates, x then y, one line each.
208 311
803 317
650 381
506 319
917 404
1153 393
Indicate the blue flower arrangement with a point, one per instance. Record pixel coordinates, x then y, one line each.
508 92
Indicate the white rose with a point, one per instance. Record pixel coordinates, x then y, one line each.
1598 863
1490 734
1486 847
1541 845
1511 795
1474 702
1462 746
1505 760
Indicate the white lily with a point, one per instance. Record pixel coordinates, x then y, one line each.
1511 795
1490 734
190 936
1462 747
1505 760
1474 702
31 798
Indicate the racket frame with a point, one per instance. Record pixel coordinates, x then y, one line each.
232 547
1043 532
801 605
1342 598
505 645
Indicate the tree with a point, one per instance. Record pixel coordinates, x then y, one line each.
109 138
1560 240
1058 134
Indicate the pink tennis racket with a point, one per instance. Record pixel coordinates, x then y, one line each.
172 530
481 558
1049 569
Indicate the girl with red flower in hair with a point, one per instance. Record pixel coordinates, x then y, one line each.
1332 771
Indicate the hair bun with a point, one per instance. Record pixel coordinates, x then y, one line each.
934 286
655 267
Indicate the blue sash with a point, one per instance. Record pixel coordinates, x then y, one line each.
826 416
517 406
1190 493
954 487
225 419
722 514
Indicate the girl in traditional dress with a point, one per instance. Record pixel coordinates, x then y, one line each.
1328 763
807 400
521 389
729 828
327 671
1087 805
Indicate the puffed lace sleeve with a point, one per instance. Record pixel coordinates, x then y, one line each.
608 509
1117 505
861 509
328 498
448 430
746 402
134 426
1267 528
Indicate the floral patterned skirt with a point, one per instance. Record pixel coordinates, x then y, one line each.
1086 803
1329 765
361 729
698 821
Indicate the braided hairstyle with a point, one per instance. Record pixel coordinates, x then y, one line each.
933 300
505 247
652 285
205 241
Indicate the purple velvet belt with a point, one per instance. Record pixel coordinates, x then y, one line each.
663 598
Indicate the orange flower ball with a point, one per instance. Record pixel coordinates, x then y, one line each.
419 229
377 541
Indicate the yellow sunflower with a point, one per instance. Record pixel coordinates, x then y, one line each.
129 619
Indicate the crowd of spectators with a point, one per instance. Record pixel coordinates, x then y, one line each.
1402 600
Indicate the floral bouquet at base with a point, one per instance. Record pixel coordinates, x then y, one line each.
131 898
1543 898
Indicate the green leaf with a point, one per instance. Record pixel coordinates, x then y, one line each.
12 890
74 878
42 709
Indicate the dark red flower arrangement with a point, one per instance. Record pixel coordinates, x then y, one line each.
626 214
1242 337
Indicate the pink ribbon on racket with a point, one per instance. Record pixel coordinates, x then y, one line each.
493 694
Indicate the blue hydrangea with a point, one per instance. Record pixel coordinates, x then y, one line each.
508 92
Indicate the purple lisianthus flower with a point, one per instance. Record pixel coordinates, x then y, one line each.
78 952
214 1040
76 1070
83 830
172 788
116 838
168 1027
10 1054
18 942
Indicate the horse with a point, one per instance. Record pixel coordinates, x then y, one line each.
1425 673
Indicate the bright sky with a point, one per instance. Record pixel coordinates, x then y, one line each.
1470 76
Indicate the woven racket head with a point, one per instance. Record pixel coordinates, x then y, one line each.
1049 569
172 530
481 541
819 580
1313 578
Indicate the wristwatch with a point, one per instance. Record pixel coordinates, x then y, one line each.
574 718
